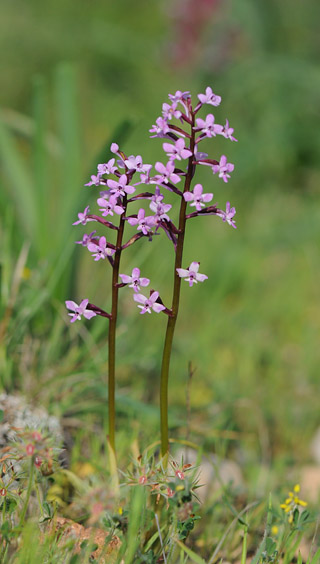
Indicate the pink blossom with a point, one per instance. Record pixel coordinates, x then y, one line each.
79 310
228 215
170 492
145 224
134 281
223 168
191 274
169 112
160 209
227 132
100 250
38 461
107 168
83 217
179 96
135 163
86 239
207 127
114 148
160 129
197 198
166 175
199 154
149 304
121 187
209 97
109 206
177 151
95 180
30 449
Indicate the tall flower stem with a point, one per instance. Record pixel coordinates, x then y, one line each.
112 332
172 319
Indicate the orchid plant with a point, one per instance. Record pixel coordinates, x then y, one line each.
119 181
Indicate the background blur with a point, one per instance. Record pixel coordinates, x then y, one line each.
76 77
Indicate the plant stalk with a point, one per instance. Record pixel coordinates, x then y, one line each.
112 332
167 349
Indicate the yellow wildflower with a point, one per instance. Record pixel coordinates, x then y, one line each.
293 502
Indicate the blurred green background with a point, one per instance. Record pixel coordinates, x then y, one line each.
76 77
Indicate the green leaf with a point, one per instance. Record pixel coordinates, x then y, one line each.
316 557
192 555
19 186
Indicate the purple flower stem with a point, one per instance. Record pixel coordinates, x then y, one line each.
172 318
103 221
132 240
180 130
112 330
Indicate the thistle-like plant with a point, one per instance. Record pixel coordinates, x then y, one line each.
120 181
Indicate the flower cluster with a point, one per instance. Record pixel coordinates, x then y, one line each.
120 177
173 482
29 445
292 503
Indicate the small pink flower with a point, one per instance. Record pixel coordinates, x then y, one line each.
208 127
36 436
100 250
160 129
209 97
191 274
166 175
197 198
145 223
79 310
170 492
169 112
83 217
223 168
3 492
135 280
228 215
143 480
179 474
177 151
149 304
30 449
38 461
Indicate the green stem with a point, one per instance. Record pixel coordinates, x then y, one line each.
112 332
167 349
29 490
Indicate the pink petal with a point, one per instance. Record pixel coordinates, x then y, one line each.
198 190
158 307
125 278
140 298
182 272
194 267
202 277
89 314
71 305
